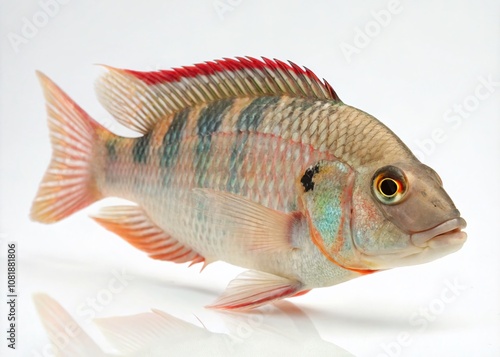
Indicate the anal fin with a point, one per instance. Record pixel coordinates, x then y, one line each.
133 224
252 288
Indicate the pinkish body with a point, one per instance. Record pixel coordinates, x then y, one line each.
258 164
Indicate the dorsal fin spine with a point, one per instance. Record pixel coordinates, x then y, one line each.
138 100
175 98
247 64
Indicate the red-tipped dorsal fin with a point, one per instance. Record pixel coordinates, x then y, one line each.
253 288
139 99
132 224
68 184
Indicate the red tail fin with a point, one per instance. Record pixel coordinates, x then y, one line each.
68 184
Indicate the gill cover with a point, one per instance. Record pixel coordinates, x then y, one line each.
327 199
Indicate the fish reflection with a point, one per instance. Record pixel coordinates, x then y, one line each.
281 328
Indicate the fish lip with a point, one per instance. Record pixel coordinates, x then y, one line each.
450 230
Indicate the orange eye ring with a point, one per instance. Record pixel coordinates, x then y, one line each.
389 185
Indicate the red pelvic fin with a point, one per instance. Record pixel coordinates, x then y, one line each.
251 289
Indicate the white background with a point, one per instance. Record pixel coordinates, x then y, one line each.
412 73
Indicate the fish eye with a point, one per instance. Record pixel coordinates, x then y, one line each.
389 185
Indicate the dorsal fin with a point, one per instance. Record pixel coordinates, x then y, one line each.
139 99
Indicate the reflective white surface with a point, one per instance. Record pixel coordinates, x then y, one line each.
430 71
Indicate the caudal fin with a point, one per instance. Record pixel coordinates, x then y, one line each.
68 184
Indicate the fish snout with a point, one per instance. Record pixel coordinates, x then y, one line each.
448 232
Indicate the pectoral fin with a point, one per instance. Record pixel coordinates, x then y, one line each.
254 288
252 224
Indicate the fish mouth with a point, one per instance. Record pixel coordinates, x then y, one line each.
447 232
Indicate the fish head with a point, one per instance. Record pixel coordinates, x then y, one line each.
401 215
379 216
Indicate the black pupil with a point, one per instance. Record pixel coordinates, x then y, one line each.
388 187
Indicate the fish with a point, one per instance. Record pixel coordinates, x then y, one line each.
282 328
254 162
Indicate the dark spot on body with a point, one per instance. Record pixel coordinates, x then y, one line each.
307 179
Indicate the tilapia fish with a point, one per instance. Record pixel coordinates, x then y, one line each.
257 163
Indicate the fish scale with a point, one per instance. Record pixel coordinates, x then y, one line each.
255 163
252 175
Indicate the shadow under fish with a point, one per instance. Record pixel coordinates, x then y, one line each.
280 328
